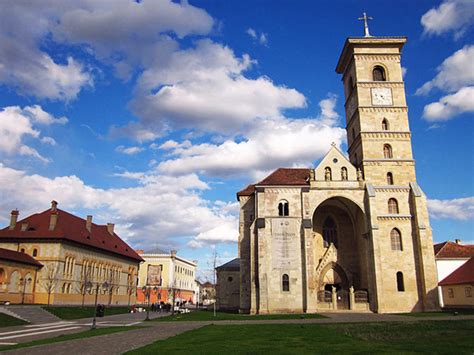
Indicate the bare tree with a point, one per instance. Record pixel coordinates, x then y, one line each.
86 279
213 264
51 279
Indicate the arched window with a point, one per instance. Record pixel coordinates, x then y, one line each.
327 173
400 283
344 173
283 209
387 151
285 282
329 232
22 250
396 239
14 282
389 178
385 125
392 206
35 252
378 73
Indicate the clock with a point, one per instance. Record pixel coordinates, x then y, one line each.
382 97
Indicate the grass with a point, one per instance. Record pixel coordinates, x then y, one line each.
81 335
77 312
387 337
9 321
209 316
444 313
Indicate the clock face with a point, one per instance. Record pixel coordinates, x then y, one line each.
382 96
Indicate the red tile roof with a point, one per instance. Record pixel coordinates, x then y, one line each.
448 250
18 257
462 275
69 228
280 177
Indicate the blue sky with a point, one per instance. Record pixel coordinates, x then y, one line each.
153 114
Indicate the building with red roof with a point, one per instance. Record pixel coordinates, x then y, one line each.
75 254
457 287
450 257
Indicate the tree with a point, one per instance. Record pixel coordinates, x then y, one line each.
86 278
213 264
51 279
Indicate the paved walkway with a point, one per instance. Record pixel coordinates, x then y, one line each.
152 331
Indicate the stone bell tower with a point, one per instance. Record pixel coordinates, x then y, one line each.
379 142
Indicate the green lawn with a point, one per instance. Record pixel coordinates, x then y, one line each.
85 334
394 337
445 313
73 312
209 315
9 321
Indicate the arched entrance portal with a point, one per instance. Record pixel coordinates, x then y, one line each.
340 253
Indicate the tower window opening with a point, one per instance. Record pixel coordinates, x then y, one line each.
378 73
327 174
396 239
400 282
392 206
387 151
385 125
389 178
285 283
329 232
350 84
283 208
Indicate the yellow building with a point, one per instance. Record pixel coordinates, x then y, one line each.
458 287
165 274
79 258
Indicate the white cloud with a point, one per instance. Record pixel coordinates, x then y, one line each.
123 33
261 38
16 124
451 105
458 209
455 76
455 72
128 150
451 16
204 88
268 144
158 210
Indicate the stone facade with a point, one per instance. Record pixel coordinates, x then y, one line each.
353 230
228 286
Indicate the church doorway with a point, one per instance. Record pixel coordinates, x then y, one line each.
340 249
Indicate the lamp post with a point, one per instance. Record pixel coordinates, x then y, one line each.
89 285
24 283
147 291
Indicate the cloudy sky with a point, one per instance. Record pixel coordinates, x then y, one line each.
152 114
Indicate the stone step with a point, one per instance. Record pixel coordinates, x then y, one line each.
33 314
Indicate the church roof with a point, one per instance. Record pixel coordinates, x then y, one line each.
280 177
448 250
70 228
231 265
462 275
18 257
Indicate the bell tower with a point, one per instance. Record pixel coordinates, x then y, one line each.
403 270
378 132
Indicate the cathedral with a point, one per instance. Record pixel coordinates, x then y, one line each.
353 232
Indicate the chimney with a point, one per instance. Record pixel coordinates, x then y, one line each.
53 220
24 227
89 223
173 253
13 219
110 228
458 241
140 251
54 206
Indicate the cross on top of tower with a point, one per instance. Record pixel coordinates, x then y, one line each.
366 19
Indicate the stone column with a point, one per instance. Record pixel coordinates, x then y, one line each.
351 298
334 298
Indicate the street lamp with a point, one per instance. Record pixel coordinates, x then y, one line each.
89 285
147 291
24 283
